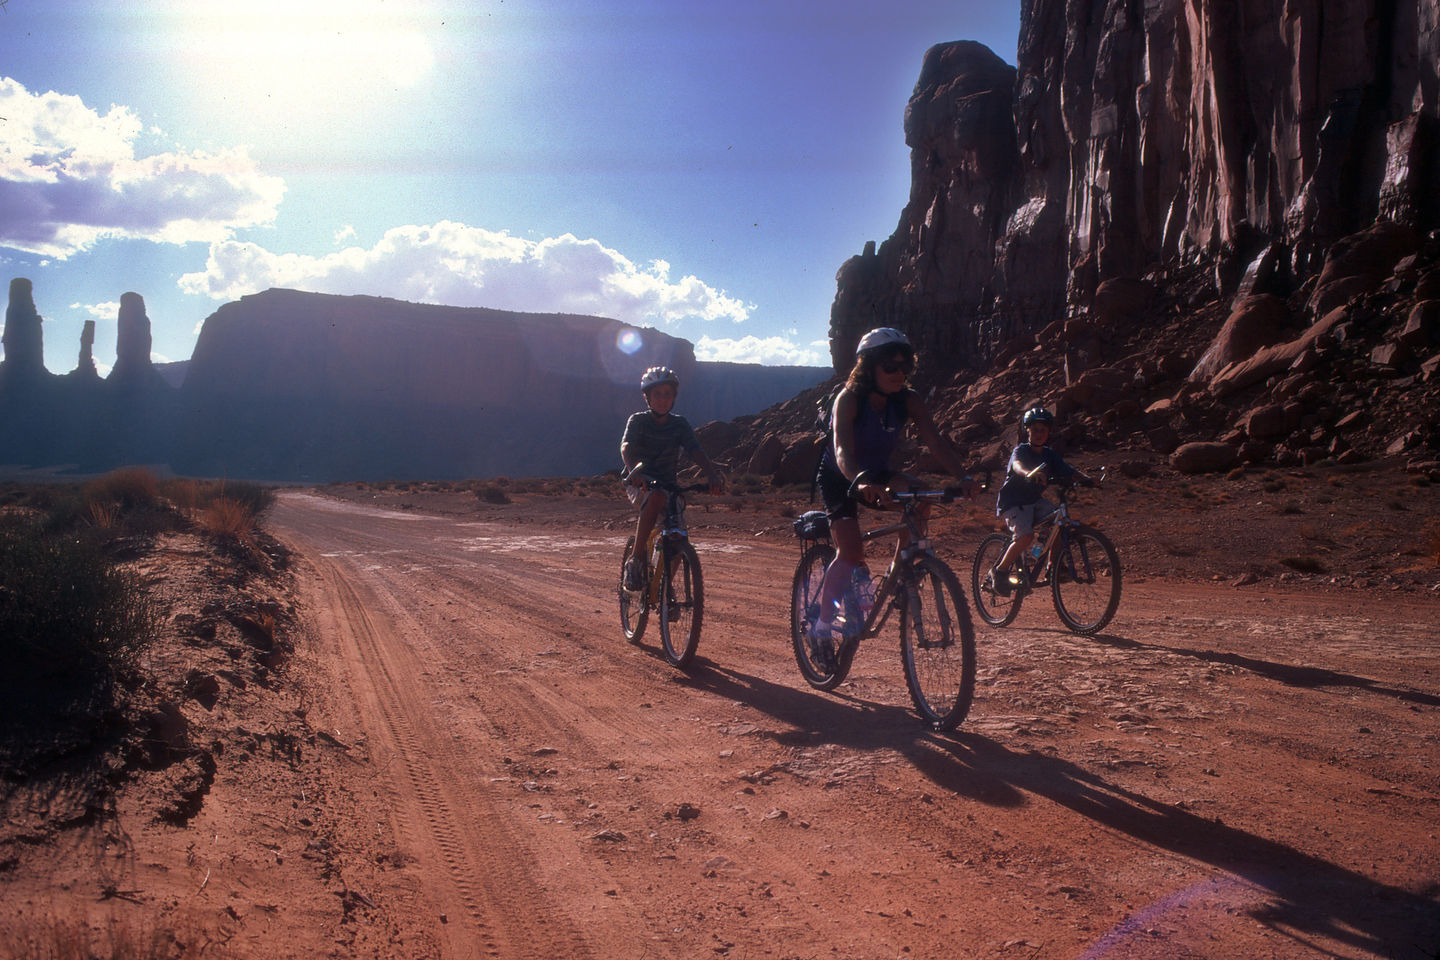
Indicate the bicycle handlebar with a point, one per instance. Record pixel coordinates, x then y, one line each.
653 484
946 495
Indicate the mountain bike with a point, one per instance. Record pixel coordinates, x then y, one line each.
672 585
1077 562
937 637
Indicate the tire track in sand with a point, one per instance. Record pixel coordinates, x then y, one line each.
490 904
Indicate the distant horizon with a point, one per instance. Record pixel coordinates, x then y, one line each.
103 368
704 171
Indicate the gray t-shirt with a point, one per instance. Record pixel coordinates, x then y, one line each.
658 445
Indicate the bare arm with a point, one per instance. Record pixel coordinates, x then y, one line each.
843 433
939 444
717 479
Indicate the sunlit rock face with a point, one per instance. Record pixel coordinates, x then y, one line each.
1244 138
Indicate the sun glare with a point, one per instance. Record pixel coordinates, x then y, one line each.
264 54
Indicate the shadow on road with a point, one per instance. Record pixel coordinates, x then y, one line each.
1287 673
1311 897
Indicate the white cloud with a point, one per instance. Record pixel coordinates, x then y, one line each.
772 351
346 232
109 310
69 177
464 266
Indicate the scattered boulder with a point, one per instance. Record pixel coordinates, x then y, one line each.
1264 422
767 456
1256 322
1163 438
1271 360
1360 263
799 461
1204 457
1422 327
1390 355
1119 302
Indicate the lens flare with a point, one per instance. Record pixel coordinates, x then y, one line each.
629 341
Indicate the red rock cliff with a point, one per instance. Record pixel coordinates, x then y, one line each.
1134 138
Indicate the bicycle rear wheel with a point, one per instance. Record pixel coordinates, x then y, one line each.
995 608
682 603
633 611
937 642
1085 580
823 661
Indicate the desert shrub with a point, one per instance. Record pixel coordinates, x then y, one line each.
1304 564
252 496
492 493
130 488
196 496
123 502
70 624
227 519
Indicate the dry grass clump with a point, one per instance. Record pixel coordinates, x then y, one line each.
227 510
226 518
128 487
492 493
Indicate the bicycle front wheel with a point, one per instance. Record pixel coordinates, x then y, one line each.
1085 580
633 611
824 661
937 642
682 603
995 608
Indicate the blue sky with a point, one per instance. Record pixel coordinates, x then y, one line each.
700 168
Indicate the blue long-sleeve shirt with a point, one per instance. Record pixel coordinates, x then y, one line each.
1017 490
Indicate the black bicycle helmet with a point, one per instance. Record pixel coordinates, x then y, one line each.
1038 415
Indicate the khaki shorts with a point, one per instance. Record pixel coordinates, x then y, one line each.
637 495
1021 520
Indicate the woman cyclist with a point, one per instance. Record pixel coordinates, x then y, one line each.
866 423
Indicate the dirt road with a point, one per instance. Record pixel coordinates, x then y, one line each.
1224 773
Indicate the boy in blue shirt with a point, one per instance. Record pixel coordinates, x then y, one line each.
654 438
1020 502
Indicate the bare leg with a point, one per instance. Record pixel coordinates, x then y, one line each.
850 553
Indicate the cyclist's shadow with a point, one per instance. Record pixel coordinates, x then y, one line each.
1365 913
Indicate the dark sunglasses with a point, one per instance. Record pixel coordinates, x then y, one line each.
898 365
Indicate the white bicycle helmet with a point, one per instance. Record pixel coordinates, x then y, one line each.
882 337
656 376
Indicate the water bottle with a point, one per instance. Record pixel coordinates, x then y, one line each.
1036 549
864 589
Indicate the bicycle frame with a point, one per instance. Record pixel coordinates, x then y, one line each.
888 588
1060 523
670 529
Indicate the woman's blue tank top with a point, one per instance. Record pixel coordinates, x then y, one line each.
877 432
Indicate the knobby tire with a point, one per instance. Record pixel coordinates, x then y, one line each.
633 609
821 672
682 603
1085 580
937 643
994 608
